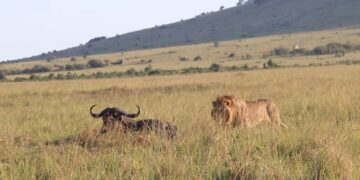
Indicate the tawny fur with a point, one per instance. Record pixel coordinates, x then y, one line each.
233 111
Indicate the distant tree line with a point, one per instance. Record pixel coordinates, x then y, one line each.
147 71
337 49
93 63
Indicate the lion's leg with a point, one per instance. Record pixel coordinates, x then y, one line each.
274 114
230 119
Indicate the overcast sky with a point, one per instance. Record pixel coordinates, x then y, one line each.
30 27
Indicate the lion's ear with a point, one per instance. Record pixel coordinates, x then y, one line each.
213 103
227 103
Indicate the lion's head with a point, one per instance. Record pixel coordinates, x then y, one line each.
223 110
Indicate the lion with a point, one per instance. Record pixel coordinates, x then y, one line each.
233 111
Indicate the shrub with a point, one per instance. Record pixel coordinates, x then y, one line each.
36 69
246 67
69 75
148 68
197 58
281 51
94 63
51 76
231 55
183 58
118 62
300 51
215 67
320 50
246 57
60 77
131 72
20 79
154 72
72 59
2 76
192 70
34 77
69 67
49 59
334 48
79 66
269 64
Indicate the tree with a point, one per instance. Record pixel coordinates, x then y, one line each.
222 8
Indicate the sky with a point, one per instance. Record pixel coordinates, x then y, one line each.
31 27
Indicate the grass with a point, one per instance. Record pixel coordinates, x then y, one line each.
46 131
168 58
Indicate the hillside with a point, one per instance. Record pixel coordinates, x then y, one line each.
255 18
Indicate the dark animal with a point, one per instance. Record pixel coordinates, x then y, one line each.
114 116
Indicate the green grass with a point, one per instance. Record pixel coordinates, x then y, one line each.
46 131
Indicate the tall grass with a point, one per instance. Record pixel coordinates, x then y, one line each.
46 131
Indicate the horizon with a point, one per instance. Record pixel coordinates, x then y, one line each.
39 26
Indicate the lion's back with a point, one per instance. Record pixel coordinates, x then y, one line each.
262 110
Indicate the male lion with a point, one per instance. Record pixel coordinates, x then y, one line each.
233 111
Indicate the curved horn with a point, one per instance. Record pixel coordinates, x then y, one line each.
134 115
92 114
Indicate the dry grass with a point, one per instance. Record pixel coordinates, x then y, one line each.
46 131
168 58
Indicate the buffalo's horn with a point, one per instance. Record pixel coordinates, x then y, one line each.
134 115
92 114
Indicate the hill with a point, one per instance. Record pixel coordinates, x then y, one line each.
255 18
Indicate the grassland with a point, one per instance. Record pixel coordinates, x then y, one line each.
319 104
168 58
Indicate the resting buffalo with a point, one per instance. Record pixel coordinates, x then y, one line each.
113 116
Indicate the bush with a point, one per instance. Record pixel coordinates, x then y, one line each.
246 67
20 79
281 51
118 62
131 72
320 50
197 58
36 69
300 51
79 66
71 76
231 55
34 77
215 67
60 77
183 58
72 59
191 70
51 76
270 64
69 67
148 68
2 76
246 57
334 48
94 63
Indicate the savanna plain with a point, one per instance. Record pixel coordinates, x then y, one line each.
46 131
